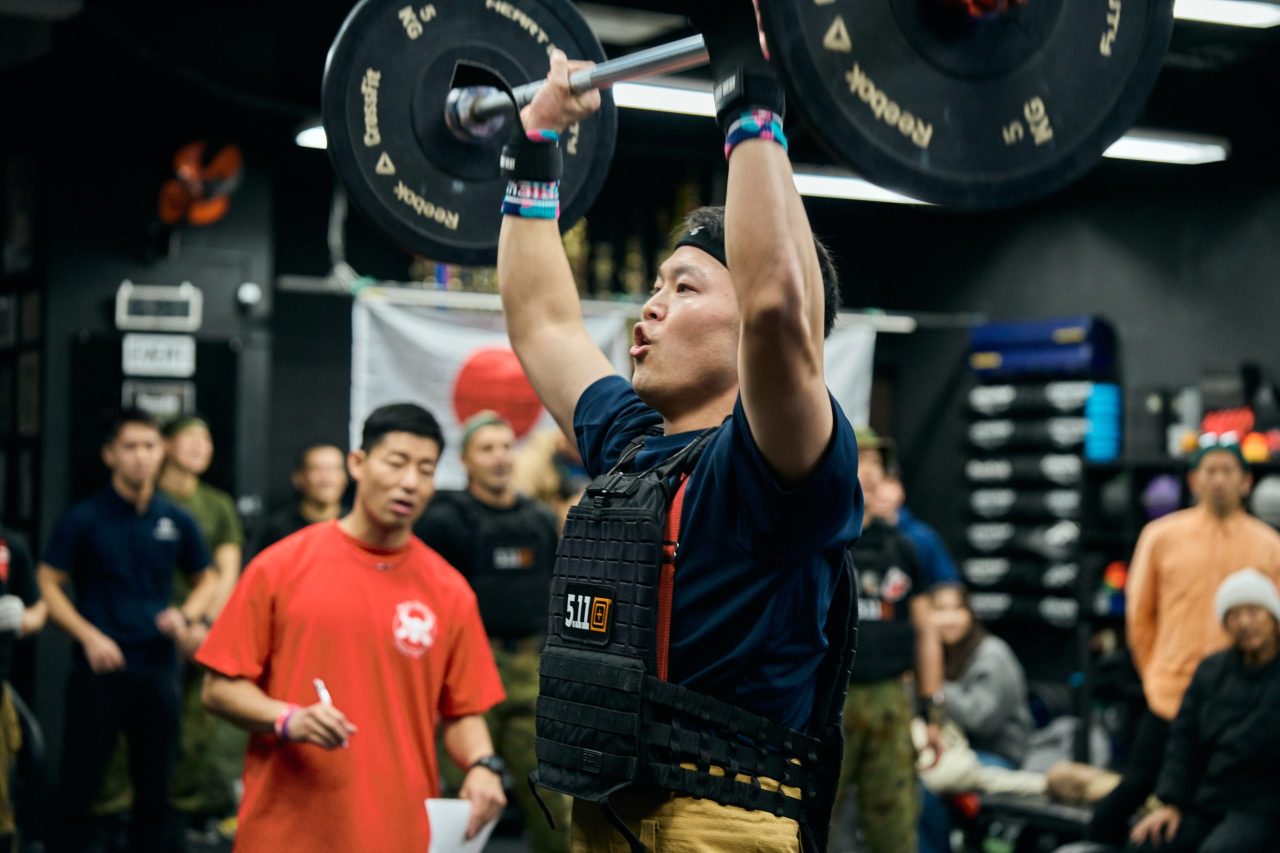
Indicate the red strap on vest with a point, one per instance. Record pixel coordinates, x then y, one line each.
667 576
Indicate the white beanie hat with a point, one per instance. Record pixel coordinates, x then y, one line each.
1247 586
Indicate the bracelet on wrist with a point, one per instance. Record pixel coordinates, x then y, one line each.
281 724
754 124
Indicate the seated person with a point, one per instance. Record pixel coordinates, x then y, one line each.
986 698
1218 781
983 681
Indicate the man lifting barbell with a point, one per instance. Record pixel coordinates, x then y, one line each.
691 694
967 103
693 711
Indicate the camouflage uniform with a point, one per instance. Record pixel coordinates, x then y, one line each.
879 760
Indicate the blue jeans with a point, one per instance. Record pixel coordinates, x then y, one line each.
935 819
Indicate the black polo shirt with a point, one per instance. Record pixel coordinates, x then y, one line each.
122 564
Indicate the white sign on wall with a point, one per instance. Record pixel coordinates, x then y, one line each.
159 355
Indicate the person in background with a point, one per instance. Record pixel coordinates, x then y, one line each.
210 752
119 547
983 681
22 614
1218 781
504 544
896 637
986 694
549 470
936 565
341 651
1177 565
320 479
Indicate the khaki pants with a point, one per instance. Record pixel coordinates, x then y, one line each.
674 823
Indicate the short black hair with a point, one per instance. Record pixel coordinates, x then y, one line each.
711 218
115 420
300 461
400 417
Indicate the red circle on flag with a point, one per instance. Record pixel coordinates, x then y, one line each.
492 378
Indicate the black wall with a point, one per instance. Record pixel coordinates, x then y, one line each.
1183 260
103 126
310 381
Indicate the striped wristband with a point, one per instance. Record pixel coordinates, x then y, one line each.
282 722
754 124
532 199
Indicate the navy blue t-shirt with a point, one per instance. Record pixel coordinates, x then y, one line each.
122 565
757 561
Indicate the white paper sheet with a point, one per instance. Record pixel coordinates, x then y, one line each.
448 820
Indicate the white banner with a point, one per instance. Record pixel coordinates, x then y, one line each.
454 363
458 362
850 352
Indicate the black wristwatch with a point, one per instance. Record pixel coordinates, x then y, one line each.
493 763
933 709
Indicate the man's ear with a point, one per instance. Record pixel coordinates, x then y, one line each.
355 463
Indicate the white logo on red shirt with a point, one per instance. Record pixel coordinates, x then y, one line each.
414 628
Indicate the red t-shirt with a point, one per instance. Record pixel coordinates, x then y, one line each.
397 639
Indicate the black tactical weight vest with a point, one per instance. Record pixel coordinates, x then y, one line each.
607 721
508 566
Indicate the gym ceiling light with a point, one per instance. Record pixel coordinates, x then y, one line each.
1231 13
1156 146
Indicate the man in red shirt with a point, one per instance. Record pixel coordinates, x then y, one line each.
342 649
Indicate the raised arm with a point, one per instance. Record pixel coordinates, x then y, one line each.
771 254
539 298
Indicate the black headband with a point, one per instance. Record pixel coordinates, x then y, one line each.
700 238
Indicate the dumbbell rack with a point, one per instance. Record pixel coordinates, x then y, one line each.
1026 442
1049 397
